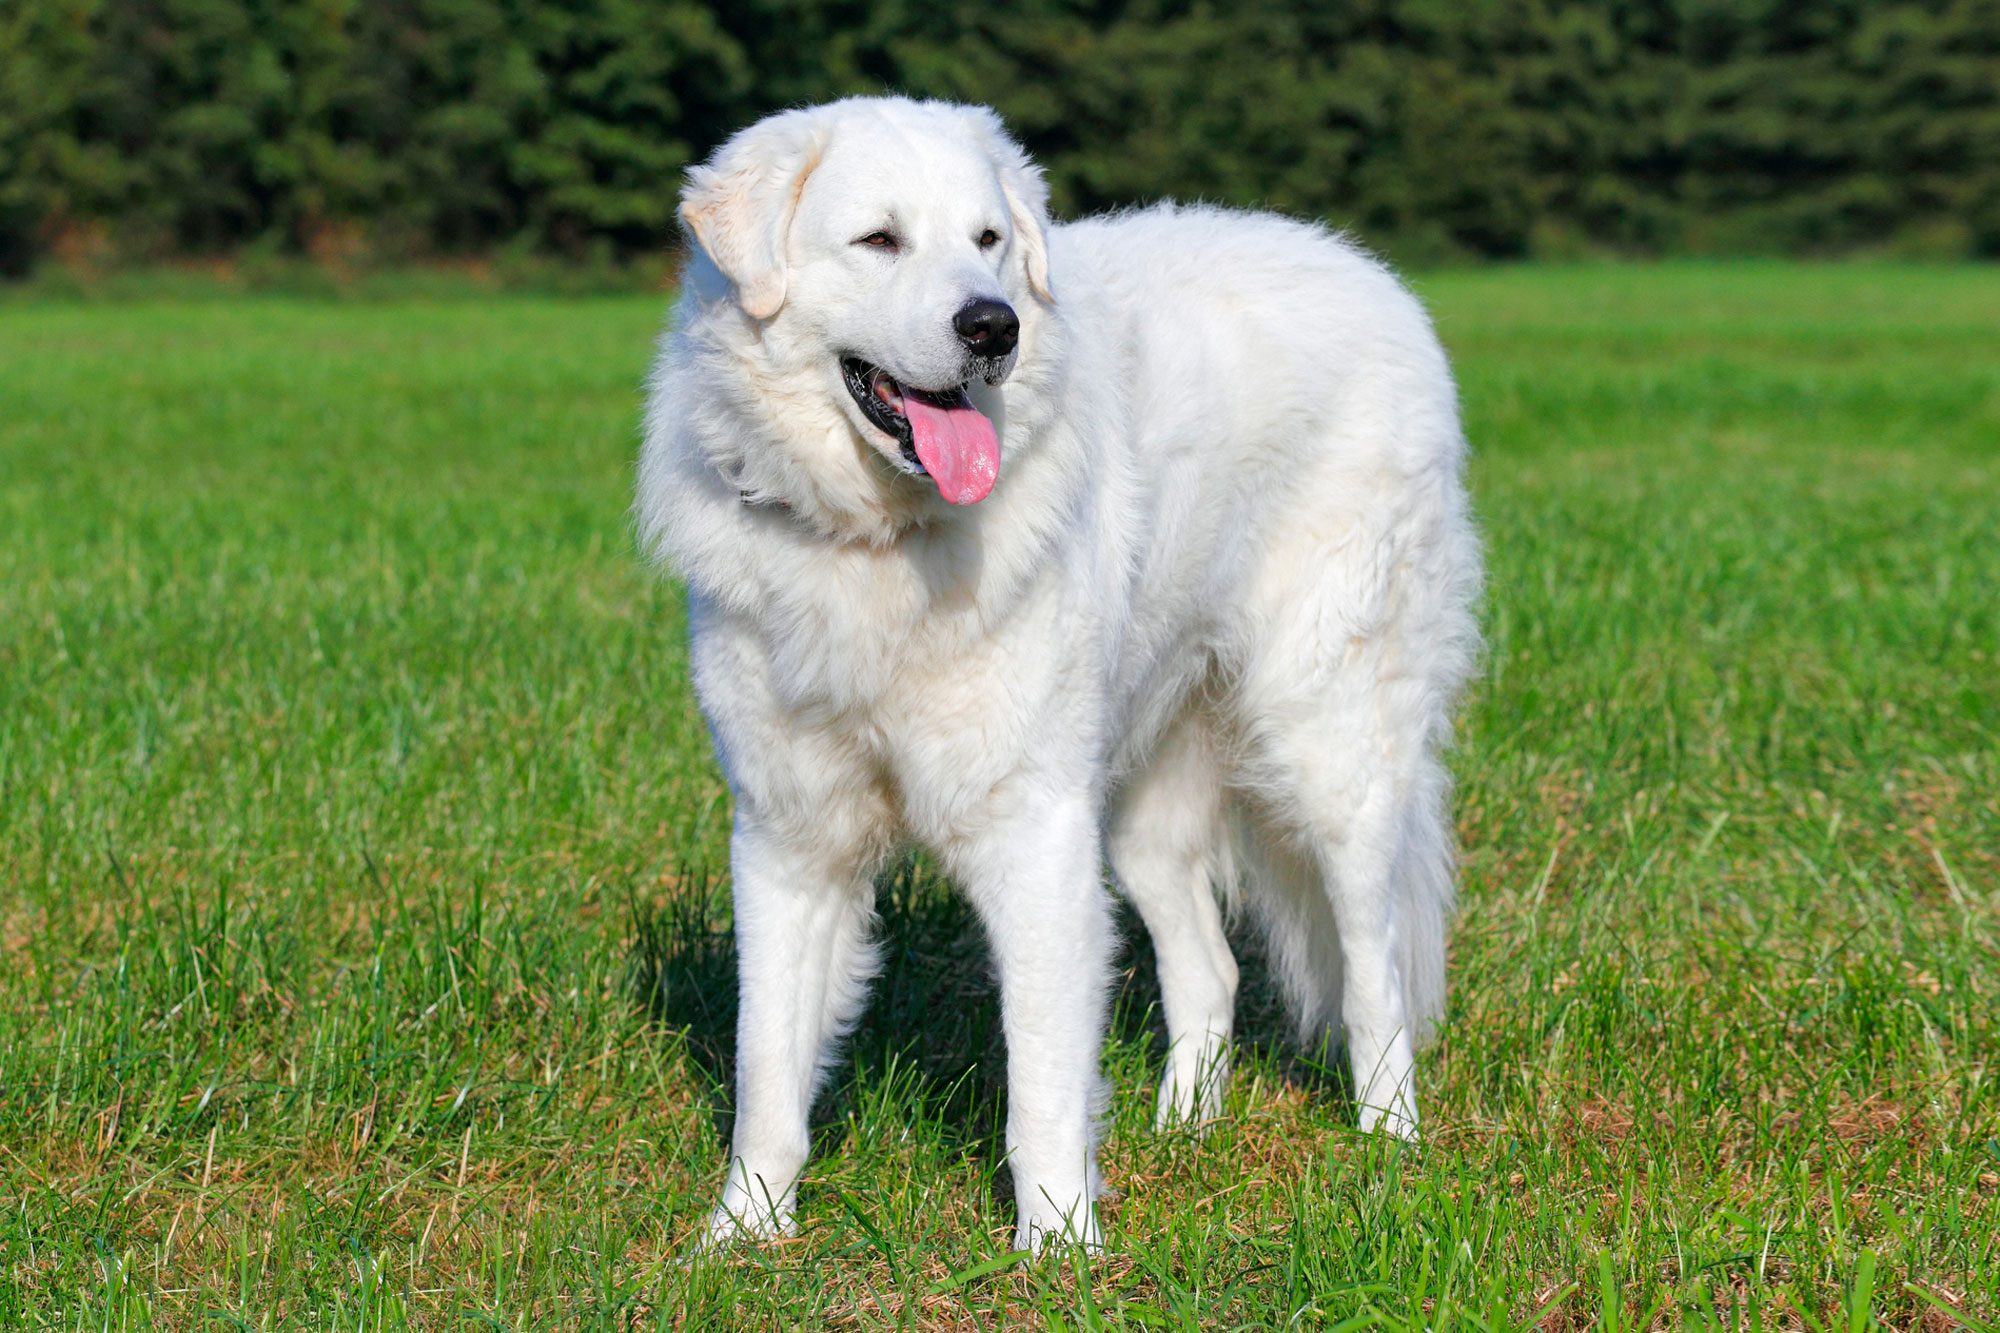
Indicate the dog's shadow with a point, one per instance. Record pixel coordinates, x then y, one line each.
934 1011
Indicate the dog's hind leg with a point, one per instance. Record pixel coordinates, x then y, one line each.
1167 842
1347 932
1358 864
1359 636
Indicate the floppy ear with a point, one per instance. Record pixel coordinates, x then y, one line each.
1027 205
738 206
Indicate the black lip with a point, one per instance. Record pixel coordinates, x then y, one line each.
859 376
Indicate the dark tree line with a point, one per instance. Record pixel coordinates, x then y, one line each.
411 128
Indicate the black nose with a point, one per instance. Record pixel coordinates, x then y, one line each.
988 328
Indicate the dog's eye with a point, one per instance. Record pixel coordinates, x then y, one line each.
879 240
988 239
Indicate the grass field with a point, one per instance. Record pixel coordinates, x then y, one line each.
363 890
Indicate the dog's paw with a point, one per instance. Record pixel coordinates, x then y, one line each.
1040 1236
1393 1122
727 1230
742 1218
1191 1089
1183 1107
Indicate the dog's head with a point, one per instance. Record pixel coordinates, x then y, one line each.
889 255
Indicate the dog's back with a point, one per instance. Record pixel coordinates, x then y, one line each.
1256 327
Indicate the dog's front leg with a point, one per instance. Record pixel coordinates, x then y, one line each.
1035 880
803 957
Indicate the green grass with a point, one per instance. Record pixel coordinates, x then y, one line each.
363 888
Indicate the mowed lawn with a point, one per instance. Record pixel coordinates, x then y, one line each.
364 896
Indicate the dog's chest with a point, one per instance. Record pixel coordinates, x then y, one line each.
940 713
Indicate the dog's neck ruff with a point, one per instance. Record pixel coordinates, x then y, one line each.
751 500
804 516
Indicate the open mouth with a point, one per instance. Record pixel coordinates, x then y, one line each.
881 400
942 435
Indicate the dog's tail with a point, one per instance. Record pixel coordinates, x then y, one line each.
1425 879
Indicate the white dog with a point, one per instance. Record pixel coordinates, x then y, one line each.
1139 540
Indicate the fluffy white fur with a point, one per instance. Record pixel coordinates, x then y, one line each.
1208 628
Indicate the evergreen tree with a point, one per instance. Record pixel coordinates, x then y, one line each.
428 127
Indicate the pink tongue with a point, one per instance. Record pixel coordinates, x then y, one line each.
957 446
